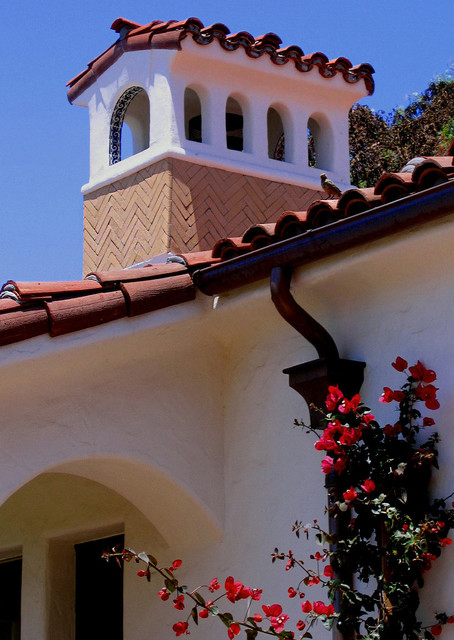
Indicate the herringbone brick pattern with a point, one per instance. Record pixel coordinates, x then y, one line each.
128 221
178 206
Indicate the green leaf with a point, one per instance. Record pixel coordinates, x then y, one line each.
226 618
199 598
195 615
251 634
214 610
170 585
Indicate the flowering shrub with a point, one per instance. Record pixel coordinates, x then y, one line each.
386 533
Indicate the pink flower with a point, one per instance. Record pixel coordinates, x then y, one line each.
278 622
400 364
258 617
300 625
180 627
178 603
368 486
164 594
291 592
327 464
256 594
350 495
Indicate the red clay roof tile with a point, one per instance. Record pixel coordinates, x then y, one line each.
29 309
151 295
166 35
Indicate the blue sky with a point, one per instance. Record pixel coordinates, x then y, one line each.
44 150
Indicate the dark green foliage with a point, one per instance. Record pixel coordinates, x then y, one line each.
381 143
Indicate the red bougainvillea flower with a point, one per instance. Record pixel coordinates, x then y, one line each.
311 581
350 405
392 431
258 617
445 542
164 594
334 396
278 622
300 625
233 589
428 422
330 611
319 556
306 606
400 364
389 395
319 608
350 495
204 613
291 592
233 630
421 374
180 627
256 594
328 571
450 620
141 573
427 393
340 464
175 565
272 610
178 603
436 629
368 486
214 585
327 464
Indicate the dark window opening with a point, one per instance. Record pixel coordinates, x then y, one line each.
192 116
99 591
234 125
10 600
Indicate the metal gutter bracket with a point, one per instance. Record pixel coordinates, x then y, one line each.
311 379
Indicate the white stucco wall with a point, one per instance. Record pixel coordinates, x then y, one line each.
190 422
215 74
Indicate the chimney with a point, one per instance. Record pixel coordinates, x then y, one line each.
196 134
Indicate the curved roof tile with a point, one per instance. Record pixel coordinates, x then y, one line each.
29 309
168 35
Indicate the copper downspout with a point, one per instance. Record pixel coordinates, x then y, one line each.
328 363
297 317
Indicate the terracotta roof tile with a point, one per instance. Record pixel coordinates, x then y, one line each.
151 295
168 35
29 309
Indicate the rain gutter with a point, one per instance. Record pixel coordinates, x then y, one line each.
374 224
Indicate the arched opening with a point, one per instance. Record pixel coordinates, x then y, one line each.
192 115
132 110
319 143
234 125
276 135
